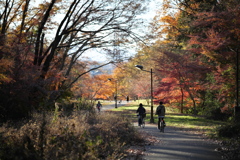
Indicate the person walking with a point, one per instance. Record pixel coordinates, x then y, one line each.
98 106
160 111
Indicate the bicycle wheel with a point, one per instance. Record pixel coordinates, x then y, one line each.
143 123
161 126
139 121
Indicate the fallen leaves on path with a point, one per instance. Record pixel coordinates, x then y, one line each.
138 151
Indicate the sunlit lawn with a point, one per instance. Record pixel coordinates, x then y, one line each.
186 122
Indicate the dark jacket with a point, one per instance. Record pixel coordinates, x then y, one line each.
141 110
162 110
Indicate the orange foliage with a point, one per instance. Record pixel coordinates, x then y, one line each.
5 67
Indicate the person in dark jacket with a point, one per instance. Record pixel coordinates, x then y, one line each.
98 106
160 111
142 113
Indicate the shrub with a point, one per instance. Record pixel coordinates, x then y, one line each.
217 114
230 146
79 136
229 131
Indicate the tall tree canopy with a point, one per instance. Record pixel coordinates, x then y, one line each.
195 52
41 44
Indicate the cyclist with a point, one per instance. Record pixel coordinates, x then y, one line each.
160 111
98 106
142 113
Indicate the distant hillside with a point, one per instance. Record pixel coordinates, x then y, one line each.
108 69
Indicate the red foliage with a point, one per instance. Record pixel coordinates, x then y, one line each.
183 74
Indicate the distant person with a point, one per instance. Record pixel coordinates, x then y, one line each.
127 99
142 113
98 106
160 111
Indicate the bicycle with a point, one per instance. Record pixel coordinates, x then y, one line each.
161 126
141 121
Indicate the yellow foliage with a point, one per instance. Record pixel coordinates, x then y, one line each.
209 53
5 66
170 20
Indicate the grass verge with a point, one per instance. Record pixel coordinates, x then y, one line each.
183 121
222 131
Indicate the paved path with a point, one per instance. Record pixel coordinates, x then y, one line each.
175 144
112 106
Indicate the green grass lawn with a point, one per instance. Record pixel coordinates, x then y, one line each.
183 121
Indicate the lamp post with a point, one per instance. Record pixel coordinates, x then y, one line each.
141 68
116 92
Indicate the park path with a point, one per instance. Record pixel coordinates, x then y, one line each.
175 143
112 105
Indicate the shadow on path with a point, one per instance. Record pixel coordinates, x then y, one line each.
175 144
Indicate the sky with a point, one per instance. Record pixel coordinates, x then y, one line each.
96 55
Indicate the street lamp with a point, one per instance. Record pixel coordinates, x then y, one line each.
141 68
115 97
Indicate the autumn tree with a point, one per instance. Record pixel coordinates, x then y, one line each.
42 42
219 44
184 77
102 87
191 23
137 83
212 39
